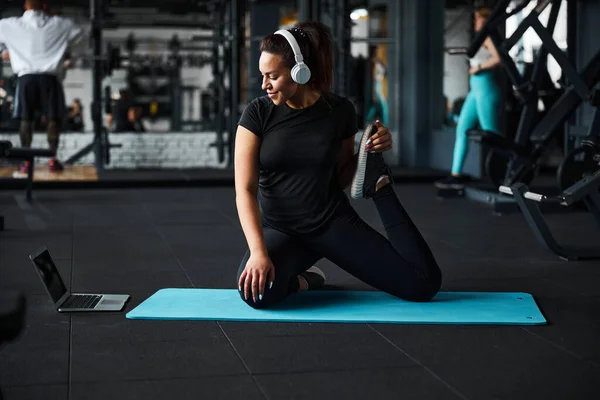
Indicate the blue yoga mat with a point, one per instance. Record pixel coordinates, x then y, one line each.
344 306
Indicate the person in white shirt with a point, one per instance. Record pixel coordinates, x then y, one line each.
37 44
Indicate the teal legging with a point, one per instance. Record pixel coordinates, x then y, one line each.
380 108
483 105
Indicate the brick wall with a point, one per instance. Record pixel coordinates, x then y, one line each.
147 150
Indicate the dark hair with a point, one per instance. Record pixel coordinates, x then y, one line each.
316 44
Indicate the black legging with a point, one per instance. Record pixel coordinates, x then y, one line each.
403 266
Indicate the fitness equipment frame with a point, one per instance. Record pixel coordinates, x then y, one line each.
523 155
24 154
585 190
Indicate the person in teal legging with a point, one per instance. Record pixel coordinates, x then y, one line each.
483 104
380 108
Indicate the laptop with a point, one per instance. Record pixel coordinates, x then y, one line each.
63 299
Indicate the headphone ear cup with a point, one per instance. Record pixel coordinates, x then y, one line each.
301 73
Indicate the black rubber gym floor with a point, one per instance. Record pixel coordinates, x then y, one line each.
137 241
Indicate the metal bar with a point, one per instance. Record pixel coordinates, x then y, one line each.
542 4
509 65
561 58
535 220
594 131
315 10
235 74
529 112
528 195
397 87
559 112
498 15
219 80
592 201
97 75
519 32
304 10
29 184
581 188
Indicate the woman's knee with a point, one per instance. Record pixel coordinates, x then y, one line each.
424 289
268 300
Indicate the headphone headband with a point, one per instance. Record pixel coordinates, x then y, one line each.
300 72
293 43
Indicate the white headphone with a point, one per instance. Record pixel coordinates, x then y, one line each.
300 71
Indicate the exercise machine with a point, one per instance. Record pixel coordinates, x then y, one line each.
510 161
585 190
9 152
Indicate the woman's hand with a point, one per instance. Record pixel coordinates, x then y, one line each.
474 70
258 273
381 140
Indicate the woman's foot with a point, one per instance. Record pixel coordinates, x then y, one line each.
372 172
311 279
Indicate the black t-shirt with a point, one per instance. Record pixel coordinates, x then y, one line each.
298 184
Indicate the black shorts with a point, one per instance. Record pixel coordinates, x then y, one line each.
39 94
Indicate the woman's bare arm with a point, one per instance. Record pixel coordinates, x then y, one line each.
247 147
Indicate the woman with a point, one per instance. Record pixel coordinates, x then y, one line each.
482 105
294 150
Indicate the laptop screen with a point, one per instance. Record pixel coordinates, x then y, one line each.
49 273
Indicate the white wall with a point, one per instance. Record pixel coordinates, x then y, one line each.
148 150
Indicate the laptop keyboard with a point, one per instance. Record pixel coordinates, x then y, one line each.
81 301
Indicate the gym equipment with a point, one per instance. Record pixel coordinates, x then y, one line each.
343 306
523 154
23 154
585 190
581 161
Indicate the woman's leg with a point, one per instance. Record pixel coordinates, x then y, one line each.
290 258
488 101
401 265
467 120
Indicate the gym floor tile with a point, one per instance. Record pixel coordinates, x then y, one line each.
126 281
207 355
19 273
185 215
498 362
131 216
115 328
381 384
211 273
579 283
286 354
44 326
235 329
534 286
139 264
49 392
139 241
35 364
218 387
18 246
115 244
